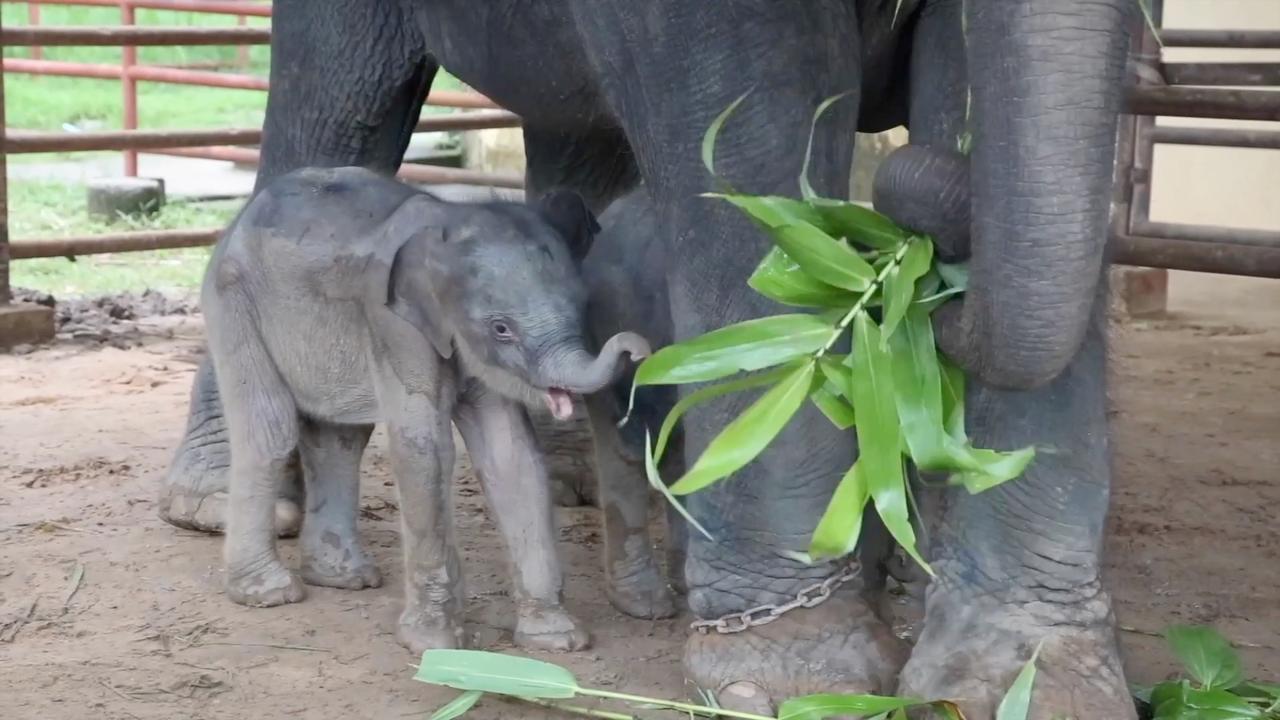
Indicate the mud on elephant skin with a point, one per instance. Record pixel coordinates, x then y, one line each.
340 298
613 92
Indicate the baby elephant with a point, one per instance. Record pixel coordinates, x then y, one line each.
340 298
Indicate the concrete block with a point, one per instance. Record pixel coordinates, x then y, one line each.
25 324
109 198
1138 292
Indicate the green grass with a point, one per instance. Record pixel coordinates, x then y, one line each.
54 209
40 209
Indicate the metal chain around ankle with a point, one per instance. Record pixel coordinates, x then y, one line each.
811 596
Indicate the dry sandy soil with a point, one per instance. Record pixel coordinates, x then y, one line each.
105 611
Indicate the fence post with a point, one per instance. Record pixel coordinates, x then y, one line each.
4 197
129 88
33 18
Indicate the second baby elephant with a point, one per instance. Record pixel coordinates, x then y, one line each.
340 298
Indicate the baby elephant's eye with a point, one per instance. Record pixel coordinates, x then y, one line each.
501 330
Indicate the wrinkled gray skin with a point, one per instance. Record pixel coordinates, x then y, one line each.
340 298
615 90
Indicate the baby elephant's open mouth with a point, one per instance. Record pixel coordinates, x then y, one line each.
559 402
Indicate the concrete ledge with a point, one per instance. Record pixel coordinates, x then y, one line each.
25 324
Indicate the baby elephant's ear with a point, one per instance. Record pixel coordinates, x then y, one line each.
410 292
567 212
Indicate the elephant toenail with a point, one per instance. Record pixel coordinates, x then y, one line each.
745 696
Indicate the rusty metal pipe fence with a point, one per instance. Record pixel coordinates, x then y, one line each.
1195 90
228 144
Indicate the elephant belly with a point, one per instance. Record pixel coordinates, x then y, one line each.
525 56
323 358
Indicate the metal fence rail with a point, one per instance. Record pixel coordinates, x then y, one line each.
1138 240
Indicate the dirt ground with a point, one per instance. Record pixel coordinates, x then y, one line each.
106 611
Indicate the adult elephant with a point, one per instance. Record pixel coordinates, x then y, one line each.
615 90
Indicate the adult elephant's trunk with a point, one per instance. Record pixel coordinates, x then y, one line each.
1047 84
579 372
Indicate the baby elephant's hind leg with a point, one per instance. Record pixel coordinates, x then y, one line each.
331 552
633 582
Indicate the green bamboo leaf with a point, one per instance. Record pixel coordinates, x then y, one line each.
989 468
952 398
837 532
745 346
1168 700
817 253
917 384
955 275
827 399
711 392
859 225
496 673
655 481
1017 701
780 278
713 132
1270 692
879 434
835 369
771 211
458 707
742 440
825 705
1215 704
900 284
1206 655
824 257
806 190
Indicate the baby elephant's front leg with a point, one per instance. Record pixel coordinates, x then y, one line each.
505 456
421 449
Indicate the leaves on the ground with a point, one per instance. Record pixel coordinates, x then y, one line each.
825 705
492 672
458 707
1206 655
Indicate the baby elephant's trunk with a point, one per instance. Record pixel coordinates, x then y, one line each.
580 373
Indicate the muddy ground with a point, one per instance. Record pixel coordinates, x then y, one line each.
105 611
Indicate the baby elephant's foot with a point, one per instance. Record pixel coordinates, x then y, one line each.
644 594
357 574
331 561
550 628
421 630
265 586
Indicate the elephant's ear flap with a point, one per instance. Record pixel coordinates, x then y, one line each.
409 295
567 212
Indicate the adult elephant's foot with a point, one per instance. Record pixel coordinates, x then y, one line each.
206 512
839 646
971 652
194 494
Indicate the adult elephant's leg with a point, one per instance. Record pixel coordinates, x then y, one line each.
347 83
1019 565
666 76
